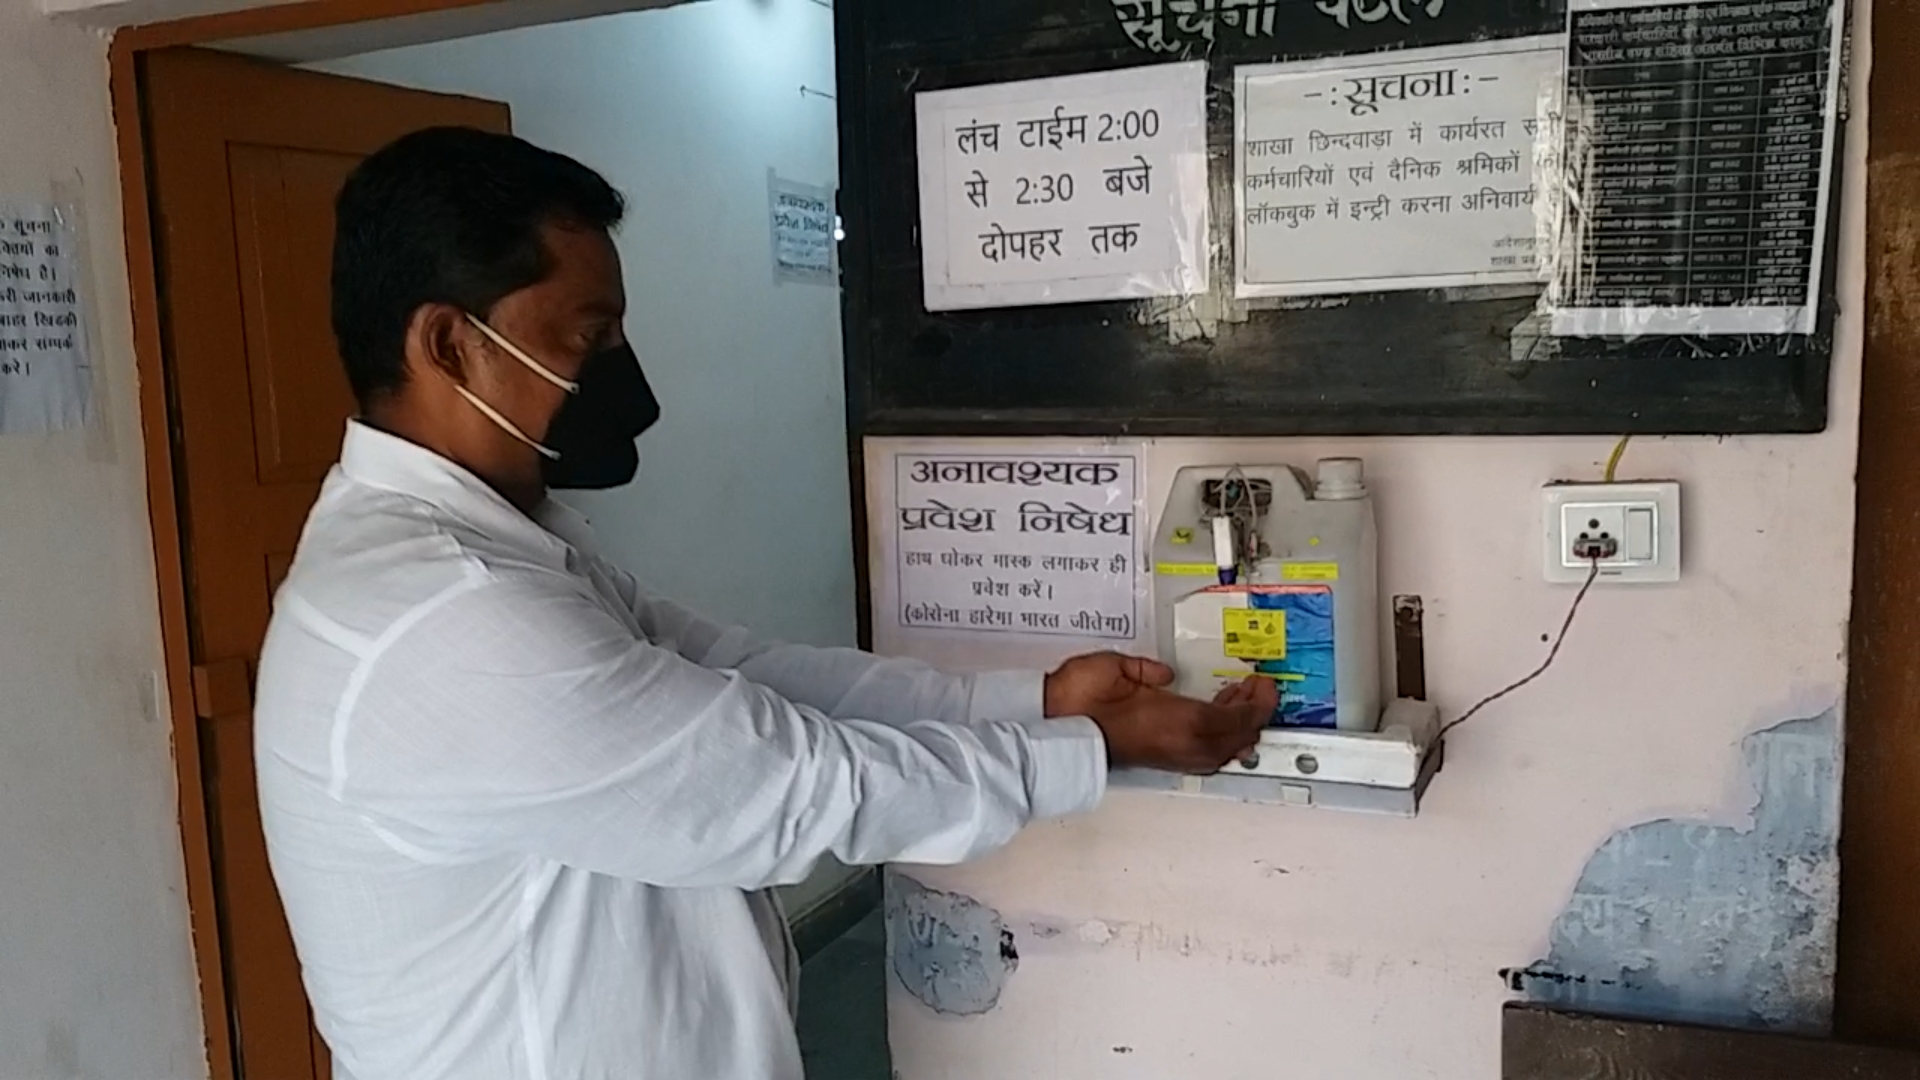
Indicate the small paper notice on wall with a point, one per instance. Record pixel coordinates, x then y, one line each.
44 369
802 218
1015 543
1425 168
1083 187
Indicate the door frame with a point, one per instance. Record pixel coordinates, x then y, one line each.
1880 790
165 513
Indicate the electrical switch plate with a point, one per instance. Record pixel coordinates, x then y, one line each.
1632 529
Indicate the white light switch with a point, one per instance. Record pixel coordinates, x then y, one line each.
1631 531
1639 539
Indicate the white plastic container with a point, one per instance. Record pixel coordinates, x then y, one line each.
1305 612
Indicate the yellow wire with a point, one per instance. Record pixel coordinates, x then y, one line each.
1613 462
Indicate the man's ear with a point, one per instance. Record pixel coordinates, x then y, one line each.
438 340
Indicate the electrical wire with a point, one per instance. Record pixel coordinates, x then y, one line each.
1243 513
1613 461
1593 575
1552 654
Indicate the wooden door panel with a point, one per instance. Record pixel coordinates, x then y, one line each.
278 563
246 159
267 1004
283 507
283 216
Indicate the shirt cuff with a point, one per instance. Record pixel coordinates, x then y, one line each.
1069 767
1008 695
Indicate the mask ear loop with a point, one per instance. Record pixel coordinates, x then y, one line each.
505 424
513 350
538 368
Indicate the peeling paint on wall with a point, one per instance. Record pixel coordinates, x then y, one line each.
951 952
1694 922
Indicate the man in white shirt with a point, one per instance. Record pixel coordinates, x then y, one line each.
523 814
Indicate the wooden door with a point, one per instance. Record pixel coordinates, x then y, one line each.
245 160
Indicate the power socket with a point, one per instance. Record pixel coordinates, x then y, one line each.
1593 531
1599 548
1631 531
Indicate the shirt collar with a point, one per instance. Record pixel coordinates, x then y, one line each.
568 524
386 461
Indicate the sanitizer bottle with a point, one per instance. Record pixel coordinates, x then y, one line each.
1305 614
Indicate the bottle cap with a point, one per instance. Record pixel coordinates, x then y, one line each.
1339 478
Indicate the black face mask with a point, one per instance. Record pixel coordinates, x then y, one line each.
595 429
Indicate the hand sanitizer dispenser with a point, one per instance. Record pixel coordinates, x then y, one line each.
1259 570
1296 601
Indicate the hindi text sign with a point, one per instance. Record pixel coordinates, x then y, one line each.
1083 187
1421 169
1017 544
45 375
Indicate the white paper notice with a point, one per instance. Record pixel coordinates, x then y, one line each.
1414 171
802 219
1084 187
1017 544
44 375
1703 137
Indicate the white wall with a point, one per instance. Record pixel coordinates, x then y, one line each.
741 508
1636 819
96 972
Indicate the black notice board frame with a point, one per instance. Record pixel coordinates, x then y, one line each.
1414 362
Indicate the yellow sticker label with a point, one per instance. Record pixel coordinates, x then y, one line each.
1183 535
1187 569
1252 634
1310 571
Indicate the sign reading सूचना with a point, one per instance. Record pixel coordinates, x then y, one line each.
1181 26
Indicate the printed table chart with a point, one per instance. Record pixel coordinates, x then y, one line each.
1702 152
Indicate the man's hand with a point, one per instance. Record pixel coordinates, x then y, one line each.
1263 694
1089 682
1147 726
1260 691
1156 729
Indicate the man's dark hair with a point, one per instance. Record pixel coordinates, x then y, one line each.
447 215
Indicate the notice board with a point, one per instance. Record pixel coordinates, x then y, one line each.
1689 288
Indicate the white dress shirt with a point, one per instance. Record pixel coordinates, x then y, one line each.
523 814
